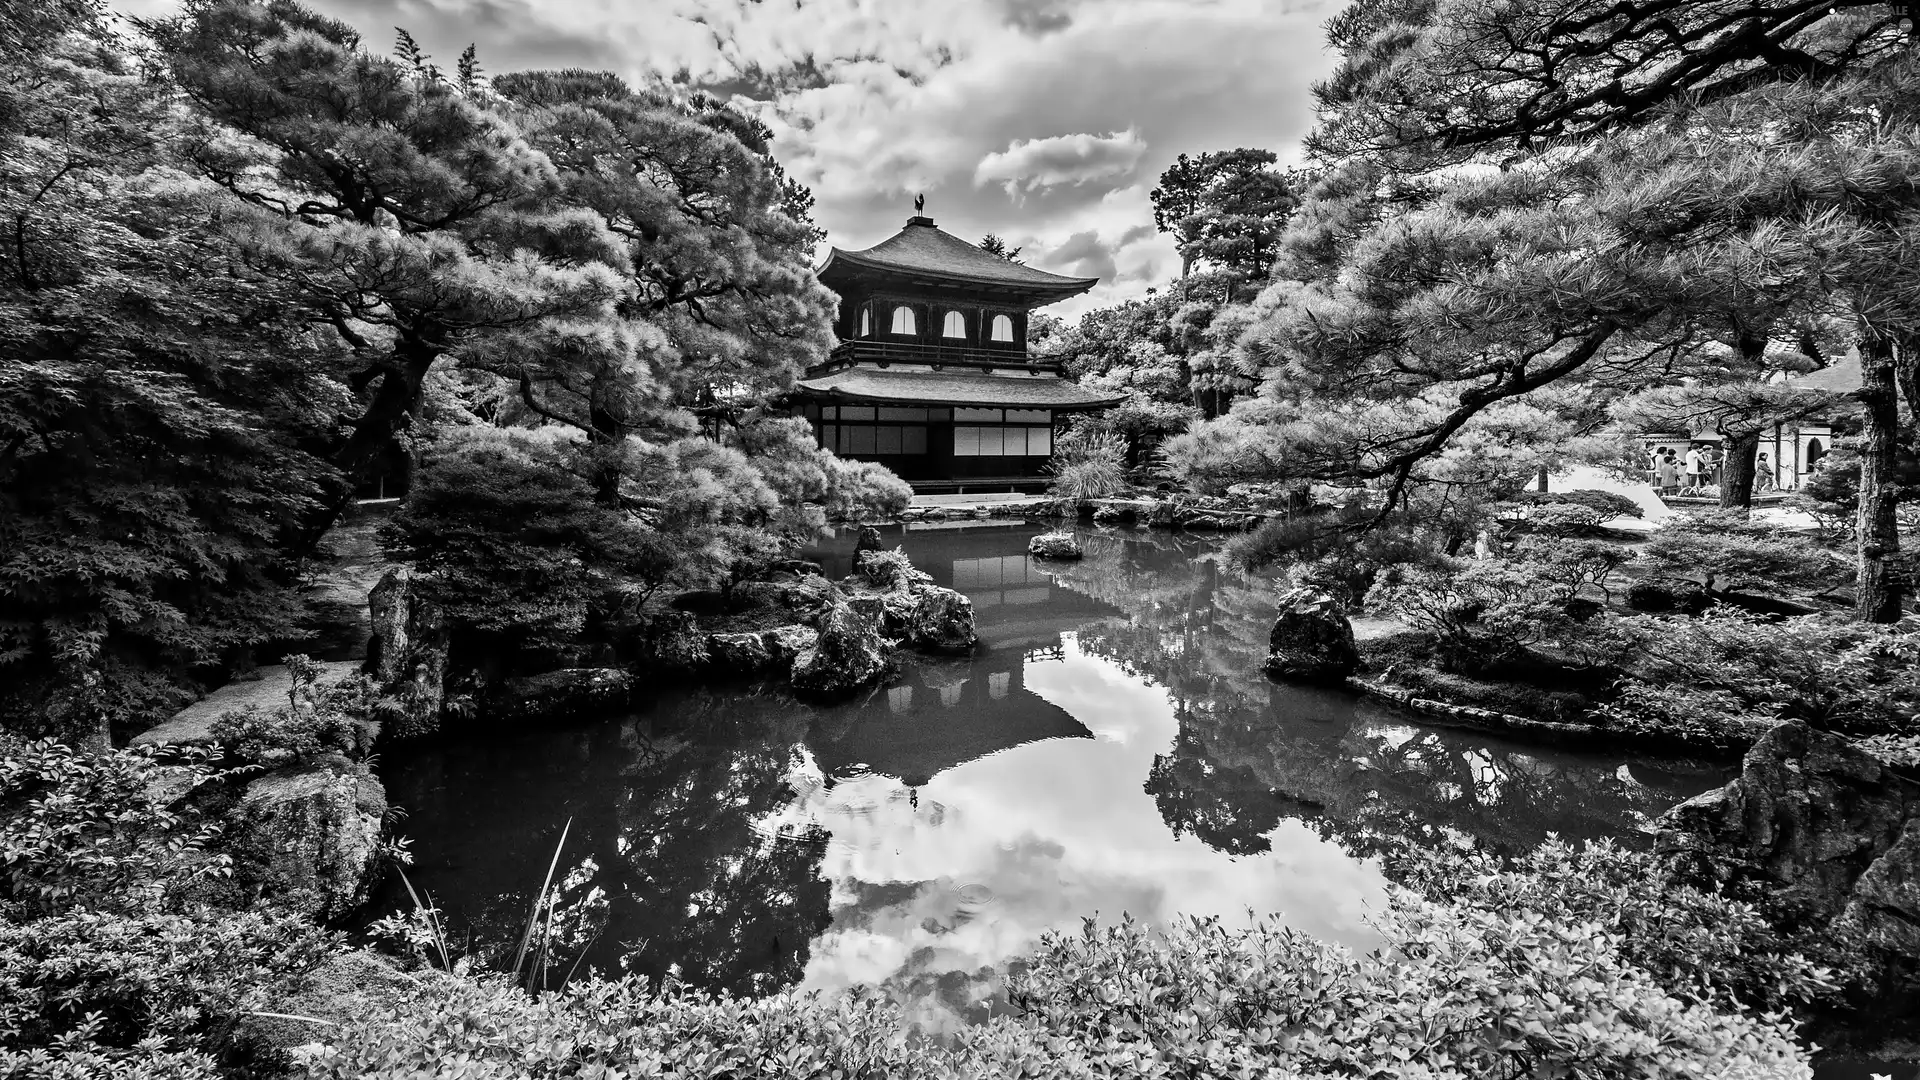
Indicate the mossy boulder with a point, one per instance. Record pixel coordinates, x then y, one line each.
1059 546
941 620
849 654
308 836
564 694
1312 640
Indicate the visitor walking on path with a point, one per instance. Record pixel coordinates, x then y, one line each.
1666 474
1763 474
1696 468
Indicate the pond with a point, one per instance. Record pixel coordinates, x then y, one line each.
1111 748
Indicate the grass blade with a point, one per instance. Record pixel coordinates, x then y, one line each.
433 921
533 916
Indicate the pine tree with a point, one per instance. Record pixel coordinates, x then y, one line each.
410 218
1524 194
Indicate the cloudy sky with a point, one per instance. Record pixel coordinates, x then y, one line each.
1045 121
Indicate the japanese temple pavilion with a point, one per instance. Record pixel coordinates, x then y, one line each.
932 377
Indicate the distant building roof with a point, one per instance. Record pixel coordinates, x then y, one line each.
922 251
956 388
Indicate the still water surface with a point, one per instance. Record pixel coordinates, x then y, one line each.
1111 748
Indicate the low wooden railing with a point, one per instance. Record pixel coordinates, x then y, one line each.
964 356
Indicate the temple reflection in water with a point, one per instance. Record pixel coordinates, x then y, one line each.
1110 748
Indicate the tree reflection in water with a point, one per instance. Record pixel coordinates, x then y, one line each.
1250 752
923 837
666 868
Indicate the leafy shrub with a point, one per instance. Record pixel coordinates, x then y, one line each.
1698 945
311 724
1727 552
1607 504
1089 464
1330 552
1728 671
1477 616
862 490
1556 519
1567 568
1213 455
510 540
78 831
1898 750
1457 991
155 990
1300 538
108 964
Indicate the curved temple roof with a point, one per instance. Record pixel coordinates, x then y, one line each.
951 388
921 250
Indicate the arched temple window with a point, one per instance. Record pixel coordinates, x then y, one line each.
903 320
1002 328
954 325
866 322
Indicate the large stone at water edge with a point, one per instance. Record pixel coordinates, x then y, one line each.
566 693
1828 829
941 621
308 836
1312 641
1054 545
407 653
849 654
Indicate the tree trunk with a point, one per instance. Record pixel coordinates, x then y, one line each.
395 401
1736 472
1880 586
605 436
1906 374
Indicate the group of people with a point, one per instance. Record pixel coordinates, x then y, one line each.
1699 470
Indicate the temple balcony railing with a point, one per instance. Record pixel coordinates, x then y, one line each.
969 357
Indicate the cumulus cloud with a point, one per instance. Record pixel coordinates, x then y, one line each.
965 100
1027 164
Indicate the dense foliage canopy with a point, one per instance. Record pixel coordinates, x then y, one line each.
271 267
1649 207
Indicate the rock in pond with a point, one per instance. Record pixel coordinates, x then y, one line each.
1055 545
407 654
941 621
888 611
744 654
1312 640
564 693
787 642
1830 831
848 655
308 836
751 654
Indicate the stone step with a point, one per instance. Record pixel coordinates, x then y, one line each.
192 726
